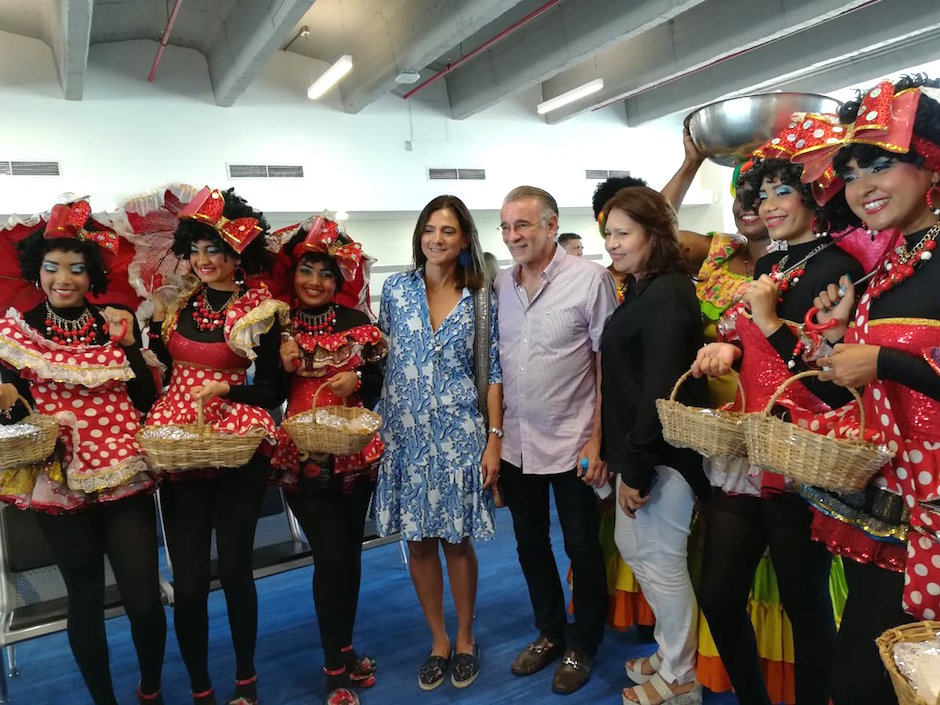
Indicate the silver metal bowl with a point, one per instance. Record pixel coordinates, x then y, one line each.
728 131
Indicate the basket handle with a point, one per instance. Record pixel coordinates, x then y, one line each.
22 400
317 394
815 373
200 413
685 376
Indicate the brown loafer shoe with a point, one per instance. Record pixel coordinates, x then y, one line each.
536 656
573 672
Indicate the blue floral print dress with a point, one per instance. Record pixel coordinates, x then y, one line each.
429 482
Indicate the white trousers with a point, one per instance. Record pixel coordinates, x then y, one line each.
654 545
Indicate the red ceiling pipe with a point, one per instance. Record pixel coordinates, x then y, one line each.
164 38
483 47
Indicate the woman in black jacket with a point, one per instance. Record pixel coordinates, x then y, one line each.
650 340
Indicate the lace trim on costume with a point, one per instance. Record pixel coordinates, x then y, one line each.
246 332
362 343
153 361
109 478
85 371
920 322
173 310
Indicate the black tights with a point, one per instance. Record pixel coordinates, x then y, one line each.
229 504
333 523
874 605
737 530
126 531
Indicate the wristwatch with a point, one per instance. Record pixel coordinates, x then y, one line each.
497 431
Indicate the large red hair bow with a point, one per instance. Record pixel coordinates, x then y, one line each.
885 119
68 220
323 235
207 207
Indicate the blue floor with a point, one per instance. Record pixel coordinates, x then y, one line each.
390 627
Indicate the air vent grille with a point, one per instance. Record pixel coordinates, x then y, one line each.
265 171
454 174
29 168
604 174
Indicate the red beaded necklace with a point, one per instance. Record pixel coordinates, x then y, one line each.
207 318
315 323
901 263
81 331
789 277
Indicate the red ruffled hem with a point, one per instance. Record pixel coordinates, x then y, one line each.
849 541
627 609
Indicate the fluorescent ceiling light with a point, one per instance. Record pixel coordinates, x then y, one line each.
570 96
340 216
342 66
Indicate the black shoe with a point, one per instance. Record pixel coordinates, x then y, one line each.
573 672
536 656
342 696
433 671
466 668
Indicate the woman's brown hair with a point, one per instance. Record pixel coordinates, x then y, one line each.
651 210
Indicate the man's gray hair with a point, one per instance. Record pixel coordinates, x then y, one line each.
547 203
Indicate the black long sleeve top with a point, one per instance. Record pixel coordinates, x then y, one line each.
822 269
141 389
649 341
267 389
915 297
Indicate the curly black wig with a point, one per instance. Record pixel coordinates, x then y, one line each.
315 257
835 216
606 190
254 259
32 249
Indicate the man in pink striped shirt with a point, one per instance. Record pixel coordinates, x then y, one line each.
552 309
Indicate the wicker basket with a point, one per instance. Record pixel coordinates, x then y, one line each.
312 437
708 431
839 464
187 446
918 631
29 446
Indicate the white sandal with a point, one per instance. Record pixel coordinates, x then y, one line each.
666 694
636 673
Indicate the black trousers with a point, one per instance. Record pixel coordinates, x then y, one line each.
737 531
333 523
126 531
528 501
873 605
229 504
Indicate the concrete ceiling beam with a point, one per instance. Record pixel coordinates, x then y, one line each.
70 33
252 32
570 33
408 38
877 28
702 36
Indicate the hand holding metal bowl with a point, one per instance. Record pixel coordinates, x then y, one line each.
728 131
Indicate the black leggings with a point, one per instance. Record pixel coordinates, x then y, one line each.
333 523
126 531
737 530
229 504
874 605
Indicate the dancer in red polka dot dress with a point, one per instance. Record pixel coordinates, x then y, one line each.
887 151
334 359
92 498
208 338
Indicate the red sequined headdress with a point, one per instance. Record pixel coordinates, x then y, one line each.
323 235
68 220
885 119
207 207
804 129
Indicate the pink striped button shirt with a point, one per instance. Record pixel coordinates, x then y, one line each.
547 351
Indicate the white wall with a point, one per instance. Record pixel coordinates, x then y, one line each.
128 136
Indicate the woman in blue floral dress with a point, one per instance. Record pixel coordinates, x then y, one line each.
441 455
